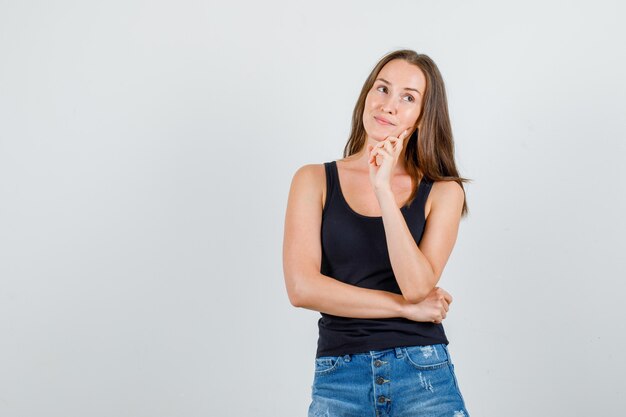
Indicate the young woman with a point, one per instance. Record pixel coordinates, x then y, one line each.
366 241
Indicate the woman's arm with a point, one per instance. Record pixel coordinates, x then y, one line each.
302 257
328 295
418 269
331 296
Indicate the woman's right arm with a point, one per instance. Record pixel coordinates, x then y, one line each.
302 257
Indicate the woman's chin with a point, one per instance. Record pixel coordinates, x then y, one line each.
378 137
380 133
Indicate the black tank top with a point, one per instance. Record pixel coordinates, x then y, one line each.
354 250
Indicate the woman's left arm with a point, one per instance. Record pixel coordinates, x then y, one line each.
418 268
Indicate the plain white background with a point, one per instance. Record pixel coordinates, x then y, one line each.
146 154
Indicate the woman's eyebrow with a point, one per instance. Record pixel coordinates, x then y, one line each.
406 88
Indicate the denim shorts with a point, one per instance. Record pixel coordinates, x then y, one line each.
404 381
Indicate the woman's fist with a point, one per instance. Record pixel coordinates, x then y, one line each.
433 308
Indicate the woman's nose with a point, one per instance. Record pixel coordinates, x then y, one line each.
388 105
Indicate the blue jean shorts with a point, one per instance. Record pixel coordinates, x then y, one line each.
404 381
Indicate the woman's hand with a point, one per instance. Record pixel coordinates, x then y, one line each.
433 308
382 158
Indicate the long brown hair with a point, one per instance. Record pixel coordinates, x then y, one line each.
432 155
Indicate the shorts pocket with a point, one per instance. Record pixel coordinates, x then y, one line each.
326 364
426 357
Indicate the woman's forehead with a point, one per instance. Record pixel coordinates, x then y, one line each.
401 74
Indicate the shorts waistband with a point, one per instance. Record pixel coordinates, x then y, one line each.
399 352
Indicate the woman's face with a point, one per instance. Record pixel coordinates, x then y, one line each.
396 96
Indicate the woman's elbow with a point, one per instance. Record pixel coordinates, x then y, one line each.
414 298
295 300
296 291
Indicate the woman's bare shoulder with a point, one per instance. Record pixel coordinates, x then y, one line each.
448 193
310 181
310 173
448 189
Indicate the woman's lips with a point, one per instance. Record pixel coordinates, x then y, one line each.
382 122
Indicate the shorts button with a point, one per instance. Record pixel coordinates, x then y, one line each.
381 399
377 363
380 380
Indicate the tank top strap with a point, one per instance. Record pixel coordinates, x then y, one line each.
331 181
423 190
419 202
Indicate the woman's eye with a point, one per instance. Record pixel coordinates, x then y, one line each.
410 97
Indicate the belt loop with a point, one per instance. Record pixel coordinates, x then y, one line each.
398 352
